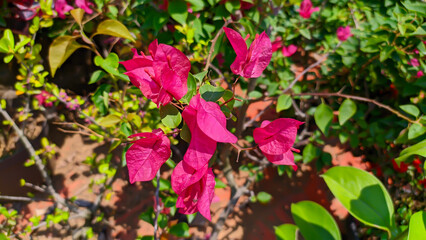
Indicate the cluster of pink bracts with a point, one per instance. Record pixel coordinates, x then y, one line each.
162 77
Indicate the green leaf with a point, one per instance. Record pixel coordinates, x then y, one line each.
200 76
386 52
110 65
411 109
314 222
170 116
60 50
7 42
264 197
96 76
416 6
323 117
219 183
113 28
310 152
109 120
185 134
180 230
417 229
363 195
192 89
417 149
346 111
284 102
305 32
416 130
286 232
211 93
178 11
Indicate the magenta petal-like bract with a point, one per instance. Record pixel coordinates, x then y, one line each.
306 9
343 33
62 7
289 51
252 62
198 196
85 5
161 76
207 125
184 176
145 157
276 138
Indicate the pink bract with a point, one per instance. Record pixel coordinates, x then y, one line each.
276 138
62 7
343 33
306 9
145 157
290 50
277 44
85 5
195 189
249 63
207 125
414 62
420 74
161 76
42 98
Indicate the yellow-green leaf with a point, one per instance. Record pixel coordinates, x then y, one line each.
109 121
60 50
113 28
77 14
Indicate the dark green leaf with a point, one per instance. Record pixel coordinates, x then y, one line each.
323 117
211 93
180 230
170 116
96 76
178 11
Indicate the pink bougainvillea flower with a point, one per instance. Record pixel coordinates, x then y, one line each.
420 74
277 44
414 62
85 5
161 76
290 50
343 33
62 7
306 9
195 189
416 51
207 125
28 9
145 157
43 97
276 138
249 63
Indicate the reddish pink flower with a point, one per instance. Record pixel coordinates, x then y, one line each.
402 168
195 188
43 97
420 74
145 157
161 76
343 33
249 63
290 50
85 5
207 125
414 62
62 7
416 51
306 9
417 164
276 138
277 44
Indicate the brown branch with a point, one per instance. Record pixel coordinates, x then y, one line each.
310 67
209 57
362 99
38 162
16 198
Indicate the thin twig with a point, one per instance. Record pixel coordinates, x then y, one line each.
209 57
35 187
38 162
157 207
363 99
310 67
16 198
